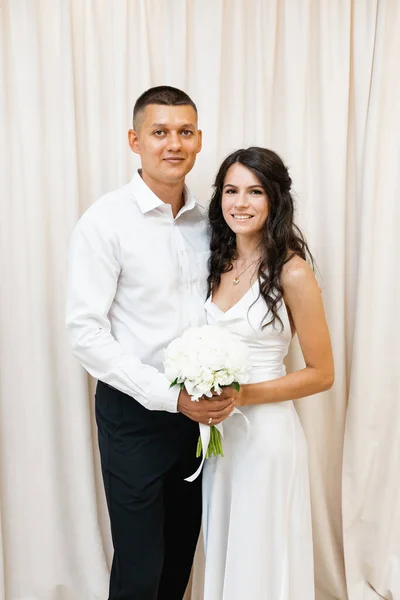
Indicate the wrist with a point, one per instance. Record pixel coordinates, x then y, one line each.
179 401
243 395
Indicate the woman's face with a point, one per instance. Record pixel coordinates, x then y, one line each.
244 202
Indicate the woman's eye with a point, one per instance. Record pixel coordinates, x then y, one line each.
257 192
230 191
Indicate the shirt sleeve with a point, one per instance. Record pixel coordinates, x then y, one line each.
93 271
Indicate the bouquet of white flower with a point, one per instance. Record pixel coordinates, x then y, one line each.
204 360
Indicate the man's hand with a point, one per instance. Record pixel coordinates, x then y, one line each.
204 410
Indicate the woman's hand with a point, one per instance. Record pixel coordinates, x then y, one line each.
237 396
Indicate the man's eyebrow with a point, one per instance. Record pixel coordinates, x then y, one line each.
184 126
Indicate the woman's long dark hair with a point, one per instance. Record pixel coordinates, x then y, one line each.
281 240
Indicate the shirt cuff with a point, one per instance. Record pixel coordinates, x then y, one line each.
161 396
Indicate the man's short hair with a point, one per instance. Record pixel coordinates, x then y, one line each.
162 94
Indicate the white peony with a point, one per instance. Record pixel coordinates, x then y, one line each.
206 358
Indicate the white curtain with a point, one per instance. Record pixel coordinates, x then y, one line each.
317 81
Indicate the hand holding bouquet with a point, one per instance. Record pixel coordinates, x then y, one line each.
204 360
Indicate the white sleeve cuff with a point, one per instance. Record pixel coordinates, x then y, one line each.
161 396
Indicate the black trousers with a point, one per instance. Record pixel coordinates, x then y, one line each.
155 515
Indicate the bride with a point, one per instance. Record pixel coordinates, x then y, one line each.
256 503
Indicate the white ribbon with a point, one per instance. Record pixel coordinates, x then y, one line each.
205 434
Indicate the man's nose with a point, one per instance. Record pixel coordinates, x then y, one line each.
174 141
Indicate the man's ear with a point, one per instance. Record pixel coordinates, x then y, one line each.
133 141
200 138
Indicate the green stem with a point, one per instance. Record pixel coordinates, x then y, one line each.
199 447
214 446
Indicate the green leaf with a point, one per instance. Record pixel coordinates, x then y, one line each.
173 383
236 386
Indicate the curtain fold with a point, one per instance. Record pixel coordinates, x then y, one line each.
371 489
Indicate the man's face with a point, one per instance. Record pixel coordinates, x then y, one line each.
167 139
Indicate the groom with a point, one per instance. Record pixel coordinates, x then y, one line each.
137 280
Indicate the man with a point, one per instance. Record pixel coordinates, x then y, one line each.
137 280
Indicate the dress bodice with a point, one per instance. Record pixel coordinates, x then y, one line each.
268 346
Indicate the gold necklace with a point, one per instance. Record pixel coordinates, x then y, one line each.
236 279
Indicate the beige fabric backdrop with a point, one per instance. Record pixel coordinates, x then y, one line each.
315 80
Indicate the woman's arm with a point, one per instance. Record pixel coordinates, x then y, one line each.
303 299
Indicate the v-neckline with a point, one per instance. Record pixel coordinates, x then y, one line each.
225 312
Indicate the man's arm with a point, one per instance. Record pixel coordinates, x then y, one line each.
92 283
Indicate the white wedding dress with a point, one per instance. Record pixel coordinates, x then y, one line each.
256 511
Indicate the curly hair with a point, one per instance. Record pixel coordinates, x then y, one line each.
281 238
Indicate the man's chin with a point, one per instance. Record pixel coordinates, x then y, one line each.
176 172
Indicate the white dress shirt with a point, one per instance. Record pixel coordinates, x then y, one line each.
137 280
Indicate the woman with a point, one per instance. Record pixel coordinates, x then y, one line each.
257 522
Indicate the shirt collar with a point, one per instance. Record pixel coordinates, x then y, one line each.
147 200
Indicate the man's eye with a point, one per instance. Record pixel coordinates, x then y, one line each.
187 132
158 133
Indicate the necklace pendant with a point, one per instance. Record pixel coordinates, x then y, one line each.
236 280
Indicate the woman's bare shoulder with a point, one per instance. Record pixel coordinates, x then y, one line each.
296 274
